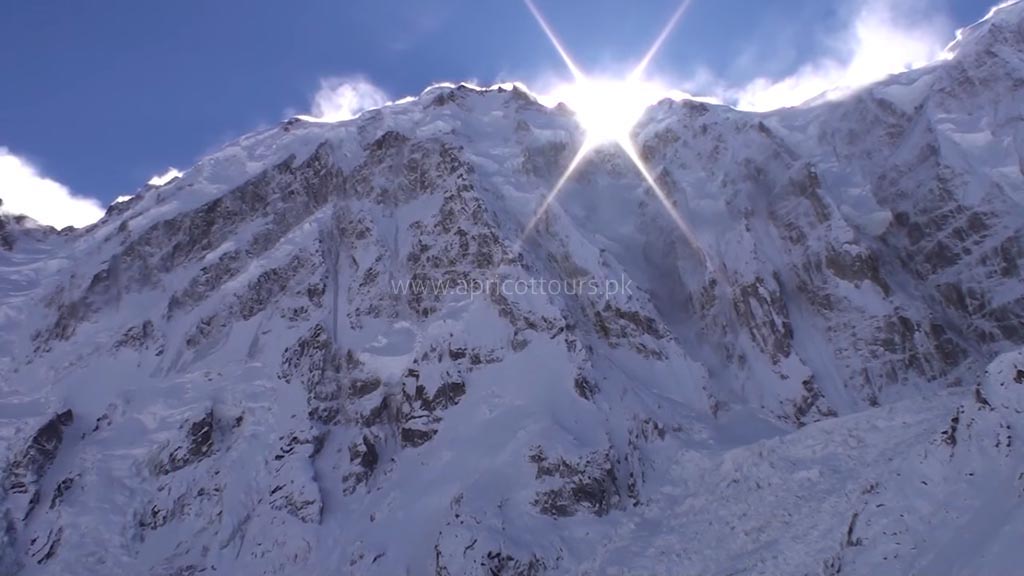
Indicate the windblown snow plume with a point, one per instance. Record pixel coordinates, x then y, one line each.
161 179
884 38
345 98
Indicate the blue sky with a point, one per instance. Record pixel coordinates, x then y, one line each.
99 96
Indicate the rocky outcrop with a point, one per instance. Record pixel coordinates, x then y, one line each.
25 471
197 446
587 485
21 488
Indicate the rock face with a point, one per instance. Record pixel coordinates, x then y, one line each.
328 348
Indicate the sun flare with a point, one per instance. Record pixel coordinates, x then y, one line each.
608 111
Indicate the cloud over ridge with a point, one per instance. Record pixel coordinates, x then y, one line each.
882 37
24 190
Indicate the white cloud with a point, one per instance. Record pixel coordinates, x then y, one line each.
25 191
345 98
881 39
161 179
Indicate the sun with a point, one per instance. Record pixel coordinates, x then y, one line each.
607 109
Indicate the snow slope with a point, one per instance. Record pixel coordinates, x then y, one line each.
250 369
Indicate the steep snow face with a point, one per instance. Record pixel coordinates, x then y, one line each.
328 347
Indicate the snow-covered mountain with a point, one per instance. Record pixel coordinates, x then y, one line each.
271 365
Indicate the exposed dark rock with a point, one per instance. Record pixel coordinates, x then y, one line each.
6 236
809 187
413 437
497 563
198 446
137 337
811 400
447 395
210 278
369 458
851 540
980 399
585 387
762 310
313 363
588 484
856 267
626 327
51 546
361 387
949 434
62 488
268 286
29 466
365 455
